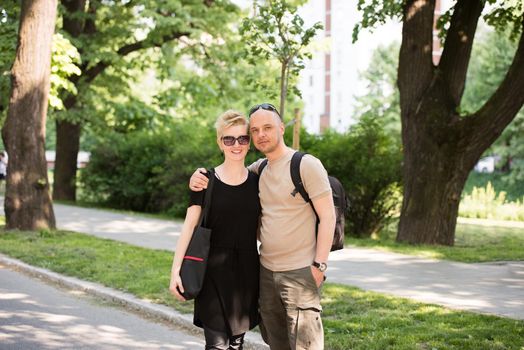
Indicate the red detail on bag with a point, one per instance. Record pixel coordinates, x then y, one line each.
193 258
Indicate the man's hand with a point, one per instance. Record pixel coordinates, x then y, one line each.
198 180
317 275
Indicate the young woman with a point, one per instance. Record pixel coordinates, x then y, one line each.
227 305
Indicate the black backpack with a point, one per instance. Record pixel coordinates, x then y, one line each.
339 197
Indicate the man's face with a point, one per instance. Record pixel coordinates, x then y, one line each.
266 130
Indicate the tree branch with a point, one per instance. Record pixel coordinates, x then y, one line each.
415 52
94 71
501 108
457 48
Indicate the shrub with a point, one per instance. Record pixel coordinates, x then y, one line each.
121 169
368 163
485 203
146 171
149 172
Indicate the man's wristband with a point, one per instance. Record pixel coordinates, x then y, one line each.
322 266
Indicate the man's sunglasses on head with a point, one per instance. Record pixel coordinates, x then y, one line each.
230 140
264 106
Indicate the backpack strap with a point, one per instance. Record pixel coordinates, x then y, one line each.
297 180
295 176
262 166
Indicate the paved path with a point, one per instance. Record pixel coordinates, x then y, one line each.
35 315
496 288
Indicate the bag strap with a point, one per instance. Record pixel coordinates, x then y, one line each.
295 176
297 179
262 166
204 214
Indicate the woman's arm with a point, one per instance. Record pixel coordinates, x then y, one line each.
191 220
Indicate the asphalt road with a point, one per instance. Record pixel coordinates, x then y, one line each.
36 315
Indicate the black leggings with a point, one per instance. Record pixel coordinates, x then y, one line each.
216 340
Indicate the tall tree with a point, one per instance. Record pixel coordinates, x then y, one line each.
111 35
28 203
440 145
276 31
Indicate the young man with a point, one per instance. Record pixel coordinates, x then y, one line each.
293 253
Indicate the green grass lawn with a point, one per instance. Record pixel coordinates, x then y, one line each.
473 243
353 319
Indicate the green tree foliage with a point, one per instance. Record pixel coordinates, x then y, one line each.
381 100
120 42
9 16
491 58
372 187
64 60
276 32
149 170
218 78
124 44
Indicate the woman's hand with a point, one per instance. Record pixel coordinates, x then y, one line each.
175 285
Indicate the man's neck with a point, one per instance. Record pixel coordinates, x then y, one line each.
277 153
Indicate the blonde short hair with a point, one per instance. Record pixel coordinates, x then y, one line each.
227 119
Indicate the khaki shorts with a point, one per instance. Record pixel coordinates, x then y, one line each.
290 310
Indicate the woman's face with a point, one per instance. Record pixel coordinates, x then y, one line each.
234 142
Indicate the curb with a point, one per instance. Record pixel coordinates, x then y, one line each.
252 341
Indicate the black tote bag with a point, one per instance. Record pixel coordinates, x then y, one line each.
194 264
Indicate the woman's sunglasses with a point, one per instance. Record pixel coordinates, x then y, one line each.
230 140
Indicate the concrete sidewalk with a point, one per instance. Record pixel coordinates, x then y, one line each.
493 288
184 335
36 315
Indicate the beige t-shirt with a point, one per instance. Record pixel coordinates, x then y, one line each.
287 232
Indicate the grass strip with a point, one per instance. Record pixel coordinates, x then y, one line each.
473 243
353 318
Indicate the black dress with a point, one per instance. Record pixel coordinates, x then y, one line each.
228 301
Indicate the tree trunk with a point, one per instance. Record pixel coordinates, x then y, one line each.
283 88
67 133
434 176
28 203
67 147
